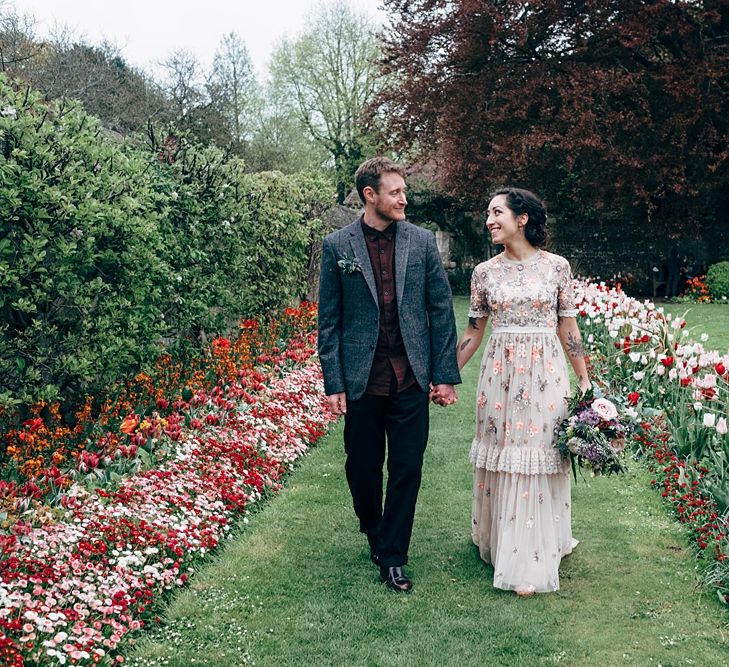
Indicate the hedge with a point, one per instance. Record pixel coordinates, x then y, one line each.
111 252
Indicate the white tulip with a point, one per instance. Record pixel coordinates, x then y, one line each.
709 419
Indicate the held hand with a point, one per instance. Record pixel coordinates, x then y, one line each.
338 403
585 385
443 394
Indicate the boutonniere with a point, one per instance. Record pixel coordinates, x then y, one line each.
349 265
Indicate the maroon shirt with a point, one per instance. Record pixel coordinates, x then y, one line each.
391 370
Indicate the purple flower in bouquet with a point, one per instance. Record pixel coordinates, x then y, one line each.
593 435
589 417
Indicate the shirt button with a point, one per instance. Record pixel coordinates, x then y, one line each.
382 252
387 293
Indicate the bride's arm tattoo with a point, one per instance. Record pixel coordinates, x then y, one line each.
574 346
464 344
473 323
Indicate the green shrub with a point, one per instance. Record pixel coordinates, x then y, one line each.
109 249
717 280
237 244
82 279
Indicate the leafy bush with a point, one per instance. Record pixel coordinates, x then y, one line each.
236 244
717 279
82 274
108 250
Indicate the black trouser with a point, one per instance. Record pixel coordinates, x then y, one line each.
403 419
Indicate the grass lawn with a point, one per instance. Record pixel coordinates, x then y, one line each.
709 318
296 586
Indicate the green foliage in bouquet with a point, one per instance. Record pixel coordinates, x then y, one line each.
717 280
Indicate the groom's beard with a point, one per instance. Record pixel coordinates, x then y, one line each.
389 213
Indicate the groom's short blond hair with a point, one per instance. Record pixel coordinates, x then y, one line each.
368 174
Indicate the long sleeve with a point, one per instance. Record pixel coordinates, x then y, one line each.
442 324
330 321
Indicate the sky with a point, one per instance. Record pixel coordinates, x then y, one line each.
148 31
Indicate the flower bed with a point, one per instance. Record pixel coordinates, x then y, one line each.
680 389
81 571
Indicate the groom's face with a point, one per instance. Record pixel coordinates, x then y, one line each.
389 199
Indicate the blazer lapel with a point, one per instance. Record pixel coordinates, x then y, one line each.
359 248
402 248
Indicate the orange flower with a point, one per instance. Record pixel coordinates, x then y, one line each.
129 424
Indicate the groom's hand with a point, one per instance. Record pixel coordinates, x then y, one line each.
443 394
338 403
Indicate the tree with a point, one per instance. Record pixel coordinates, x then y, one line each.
280 142
614 105
124 98
183 83
233 89
329 76
17 44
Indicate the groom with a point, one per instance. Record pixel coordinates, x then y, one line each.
387 338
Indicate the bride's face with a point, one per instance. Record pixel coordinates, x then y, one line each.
503 225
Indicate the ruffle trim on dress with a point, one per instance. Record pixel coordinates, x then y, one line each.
519 460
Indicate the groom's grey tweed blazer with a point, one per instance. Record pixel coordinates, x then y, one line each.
349 313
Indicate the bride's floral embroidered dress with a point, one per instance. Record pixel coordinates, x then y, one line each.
521 491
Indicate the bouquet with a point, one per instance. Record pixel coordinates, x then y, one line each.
594 434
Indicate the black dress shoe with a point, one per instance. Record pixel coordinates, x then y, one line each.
396 579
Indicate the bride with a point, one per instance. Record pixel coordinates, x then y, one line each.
521 485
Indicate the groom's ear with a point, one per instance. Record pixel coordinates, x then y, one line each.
369 192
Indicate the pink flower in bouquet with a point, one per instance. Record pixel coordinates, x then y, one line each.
604 408
618 445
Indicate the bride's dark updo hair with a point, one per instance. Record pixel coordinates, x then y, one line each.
523 201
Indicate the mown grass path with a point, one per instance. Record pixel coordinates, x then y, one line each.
296 587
